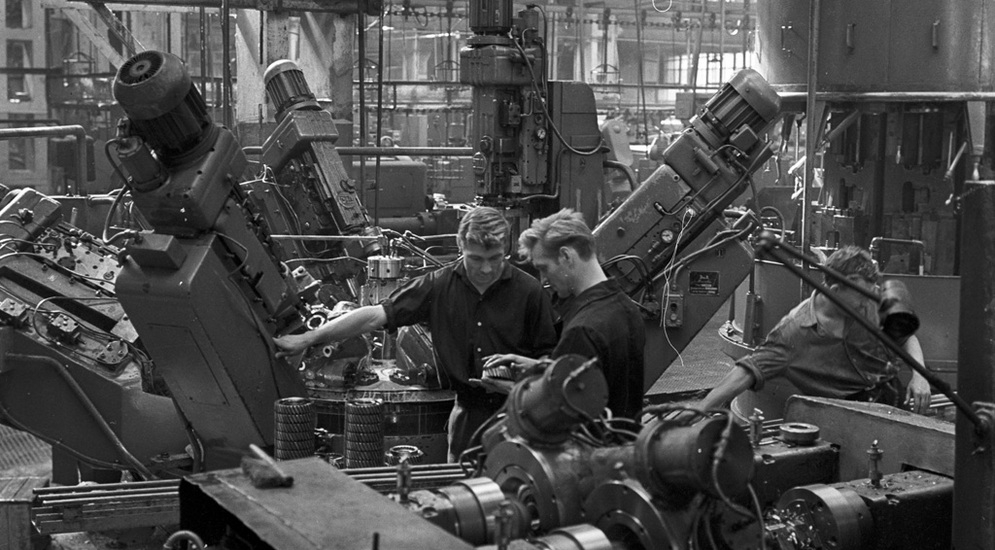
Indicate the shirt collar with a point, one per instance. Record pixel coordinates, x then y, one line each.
806 316
460 270
592 294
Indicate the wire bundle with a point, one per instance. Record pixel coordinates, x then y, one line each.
364 433
294 432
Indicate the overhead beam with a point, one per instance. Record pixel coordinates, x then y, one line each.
371 7
81 19
131 44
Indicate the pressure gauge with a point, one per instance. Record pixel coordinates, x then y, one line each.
667 236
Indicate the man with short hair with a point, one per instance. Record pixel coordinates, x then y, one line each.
599 319
474 308
824 352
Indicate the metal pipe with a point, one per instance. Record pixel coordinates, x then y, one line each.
387 151
104 487
225 14
363 238
88 405
74 130
787 93
811 124
626 169
407 151
949 174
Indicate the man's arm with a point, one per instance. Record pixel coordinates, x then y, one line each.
356 322
918 394
735 382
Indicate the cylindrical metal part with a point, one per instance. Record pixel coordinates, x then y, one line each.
746 100
288 89
294 428
799 433
624 511
547 407
164 107
475 502
383 267
827 513
467 509
146 172
582 536
409 453
898 316
491 16
364 433
713 456
885 47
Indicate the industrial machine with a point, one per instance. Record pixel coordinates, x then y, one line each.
199 294
202 289
895 130
216 275
67 341
670 242
537 143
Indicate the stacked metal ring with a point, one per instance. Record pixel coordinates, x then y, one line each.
364 433
294 432
394 455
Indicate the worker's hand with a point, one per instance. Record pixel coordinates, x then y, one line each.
517 363
918 394
292 344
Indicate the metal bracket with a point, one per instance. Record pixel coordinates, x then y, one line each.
983 433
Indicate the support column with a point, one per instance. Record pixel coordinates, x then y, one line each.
974 489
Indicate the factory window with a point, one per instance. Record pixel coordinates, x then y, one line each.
18 14
18 57
565 62
21 151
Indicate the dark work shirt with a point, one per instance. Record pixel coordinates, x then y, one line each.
603 322
818 362
513 315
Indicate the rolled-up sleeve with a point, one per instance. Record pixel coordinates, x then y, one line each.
411 303
770 360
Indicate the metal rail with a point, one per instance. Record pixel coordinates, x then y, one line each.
74 130
112 506
388 151
106 507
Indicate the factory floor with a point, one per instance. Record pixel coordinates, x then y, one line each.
23 455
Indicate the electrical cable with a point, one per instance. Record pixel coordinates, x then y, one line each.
89 407
105 232
542 103
760 516
666 285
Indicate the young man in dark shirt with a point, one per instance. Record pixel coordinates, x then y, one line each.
599 320
474 308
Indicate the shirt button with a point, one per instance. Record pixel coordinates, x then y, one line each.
479 324
479 350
